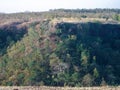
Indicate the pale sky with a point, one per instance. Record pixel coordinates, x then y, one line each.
12 6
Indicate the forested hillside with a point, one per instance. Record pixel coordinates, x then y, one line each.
46 49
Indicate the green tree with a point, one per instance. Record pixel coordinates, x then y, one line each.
95 73
117 17
87 80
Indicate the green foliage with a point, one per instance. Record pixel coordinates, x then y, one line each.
90 52
9 36
87 80
95 73
84 57
117 17
73 54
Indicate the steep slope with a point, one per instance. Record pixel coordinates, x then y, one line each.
63 54
9 34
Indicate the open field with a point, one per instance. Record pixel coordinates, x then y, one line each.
56 88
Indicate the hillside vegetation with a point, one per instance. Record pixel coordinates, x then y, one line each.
55 49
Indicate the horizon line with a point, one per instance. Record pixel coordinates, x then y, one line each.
37 11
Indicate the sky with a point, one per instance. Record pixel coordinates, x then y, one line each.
12 6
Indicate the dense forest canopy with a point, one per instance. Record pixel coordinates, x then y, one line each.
60 48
